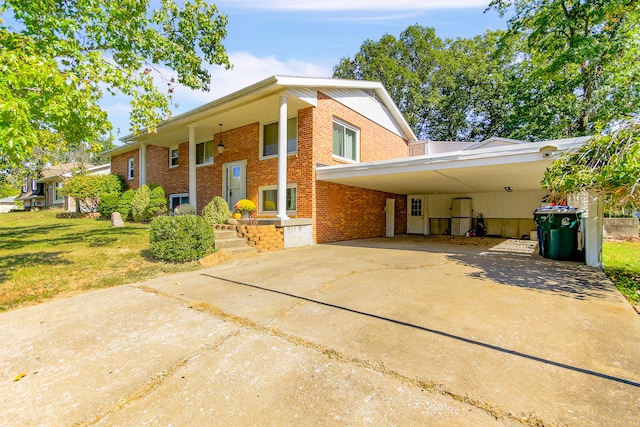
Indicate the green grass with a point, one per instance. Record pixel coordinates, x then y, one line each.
42 257
622 265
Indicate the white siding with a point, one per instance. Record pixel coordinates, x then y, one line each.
517 204
363 103
308 95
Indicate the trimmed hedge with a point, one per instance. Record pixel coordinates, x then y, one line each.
108 204
140 204
124 205
217 211
180 238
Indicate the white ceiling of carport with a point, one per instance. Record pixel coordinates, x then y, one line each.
483 170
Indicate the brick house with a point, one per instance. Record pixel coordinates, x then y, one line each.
329 160
45 190
265 143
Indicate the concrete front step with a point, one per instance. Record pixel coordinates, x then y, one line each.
229 242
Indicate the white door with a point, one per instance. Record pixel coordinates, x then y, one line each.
415 215
235 181
390 210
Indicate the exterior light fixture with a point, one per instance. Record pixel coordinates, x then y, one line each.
220 144
508 189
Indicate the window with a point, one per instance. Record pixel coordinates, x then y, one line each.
173 156
25 184
270 137
269 199
58 195
177 199
130 168
34 185
204 153
346 144
416 207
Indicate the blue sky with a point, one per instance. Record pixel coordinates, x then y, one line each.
308 38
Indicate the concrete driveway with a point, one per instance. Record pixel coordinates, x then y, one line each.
404 331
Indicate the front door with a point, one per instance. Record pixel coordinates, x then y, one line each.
235 181
415 215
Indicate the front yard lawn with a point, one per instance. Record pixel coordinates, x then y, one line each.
42 256
622 265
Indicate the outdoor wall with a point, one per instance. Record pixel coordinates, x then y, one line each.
119 165
347 213
616 228
174 180
376 142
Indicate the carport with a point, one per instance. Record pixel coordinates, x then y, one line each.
501 177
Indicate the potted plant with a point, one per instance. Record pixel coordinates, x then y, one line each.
244 206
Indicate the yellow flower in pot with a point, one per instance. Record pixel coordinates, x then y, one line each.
244 206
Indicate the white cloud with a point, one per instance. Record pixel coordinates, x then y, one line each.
247 69
364 5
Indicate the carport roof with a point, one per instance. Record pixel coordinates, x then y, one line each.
520 167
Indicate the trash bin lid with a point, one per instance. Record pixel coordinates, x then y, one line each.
556 210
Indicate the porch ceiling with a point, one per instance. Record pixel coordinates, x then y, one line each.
231 115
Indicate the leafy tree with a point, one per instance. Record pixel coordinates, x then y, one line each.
63 56
579 64
447 90
404 66
609 164
87 189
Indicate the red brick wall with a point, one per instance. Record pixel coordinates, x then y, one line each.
346 213
340 212
174 180
376 142
119 164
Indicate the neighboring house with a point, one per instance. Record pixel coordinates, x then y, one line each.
331 160
7 204
46 191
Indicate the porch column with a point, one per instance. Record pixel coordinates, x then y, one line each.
192 167
282 160
143 164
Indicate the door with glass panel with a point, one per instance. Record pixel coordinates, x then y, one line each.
235 181
415 215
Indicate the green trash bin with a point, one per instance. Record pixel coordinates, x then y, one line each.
558 231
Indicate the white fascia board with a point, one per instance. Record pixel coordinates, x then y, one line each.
521 153
133 145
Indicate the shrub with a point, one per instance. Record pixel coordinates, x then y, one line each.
124 204
108 204
140 204
180 238
88 189
185 209
217 211
157 202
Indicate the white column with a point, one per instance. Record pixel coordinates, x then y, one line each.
282 160
143 164
593 225
192 168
